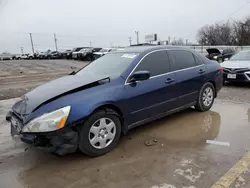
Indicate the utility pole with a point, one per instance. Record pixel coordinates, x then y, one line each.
31 41
186 42
55 39
137 36
130 41
169 42
21 50
90 44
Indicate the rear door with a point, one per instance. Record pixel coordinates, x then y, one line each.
153 96
190 75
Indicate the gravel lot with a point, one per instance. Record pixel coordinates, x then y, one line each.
18 77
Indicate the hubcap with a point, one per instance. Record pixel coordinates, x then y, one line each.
208 96
102 133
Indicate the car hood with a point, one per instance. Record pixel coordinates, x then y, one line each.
213 51
236 64
53 90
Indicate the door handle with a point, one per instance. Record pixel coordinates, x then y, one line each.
169 80
201 71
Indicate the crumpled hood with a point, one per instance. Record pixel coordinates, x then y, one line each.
52 89
235 64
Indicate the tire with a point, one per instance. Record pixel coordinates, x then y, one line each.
93 124
202 105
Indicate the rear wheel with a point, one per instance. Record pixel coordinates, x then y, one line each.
206 97
100 133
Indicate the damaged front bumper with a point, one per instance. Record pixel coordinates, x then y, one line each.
60 142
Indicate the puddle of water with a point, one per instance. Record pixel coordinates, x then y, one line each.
181 146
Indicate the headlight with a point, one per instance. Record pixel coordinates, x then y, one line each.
215 57
48 122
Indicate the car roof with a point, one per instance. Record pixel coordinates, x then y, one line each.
141 49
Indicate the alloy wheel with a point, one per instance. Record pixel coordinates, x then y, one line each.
207 96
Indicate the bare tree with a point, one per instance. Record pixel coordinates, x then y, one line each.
241 32
179 42
217 34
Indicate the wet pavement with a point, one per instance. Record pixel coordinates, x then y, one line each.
168 153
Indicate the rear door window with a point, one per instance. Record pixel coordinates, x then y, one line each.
156 63
197 60
182 59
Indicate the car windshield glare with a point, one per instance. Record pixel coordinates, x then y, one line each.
241 56
110 65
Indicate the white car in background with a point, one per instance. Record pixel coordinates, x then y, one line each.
102 52
25 56
237 68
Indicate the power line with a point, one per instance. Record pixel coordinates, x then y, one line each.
237 10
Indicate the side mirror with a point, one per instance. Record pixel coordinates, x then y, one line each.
139 76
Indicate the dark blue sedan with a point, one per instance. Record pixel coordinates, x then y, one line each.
89 109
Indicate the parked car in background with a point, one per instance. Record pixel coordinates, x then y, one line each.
237 69
215 54
25 56
102 52
5 58
88 54
71 55
65 53
54 55
77 55
89 110
42 55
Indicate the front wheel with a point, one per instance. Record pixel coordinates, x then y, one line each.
100 133
206 97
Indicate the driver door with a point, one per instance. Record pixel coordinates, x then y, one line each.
151 97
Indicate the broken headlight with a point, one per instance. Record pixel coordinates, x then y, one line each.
48 122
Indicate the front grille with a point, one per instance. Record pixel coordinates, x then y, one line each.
237 70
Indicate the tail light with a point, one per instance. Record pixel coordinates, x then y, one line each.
221 70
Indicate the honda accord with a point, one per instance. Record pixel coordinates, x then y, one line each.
90 109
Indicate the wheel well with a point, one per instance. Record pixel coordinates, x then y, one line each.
117 110
113 107
212 82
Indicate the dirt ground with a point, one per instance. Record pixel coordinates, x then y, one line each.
20 76
185 150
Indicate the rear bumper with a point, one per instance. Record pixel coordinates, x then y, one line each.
60 142
218 83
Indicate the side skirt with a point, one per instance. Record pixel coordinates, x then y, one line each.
138 123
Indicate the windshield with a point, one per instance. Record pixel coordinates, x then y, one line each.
110 65
241 56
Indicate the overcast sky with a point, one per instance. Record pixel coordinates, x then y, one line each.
107 22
